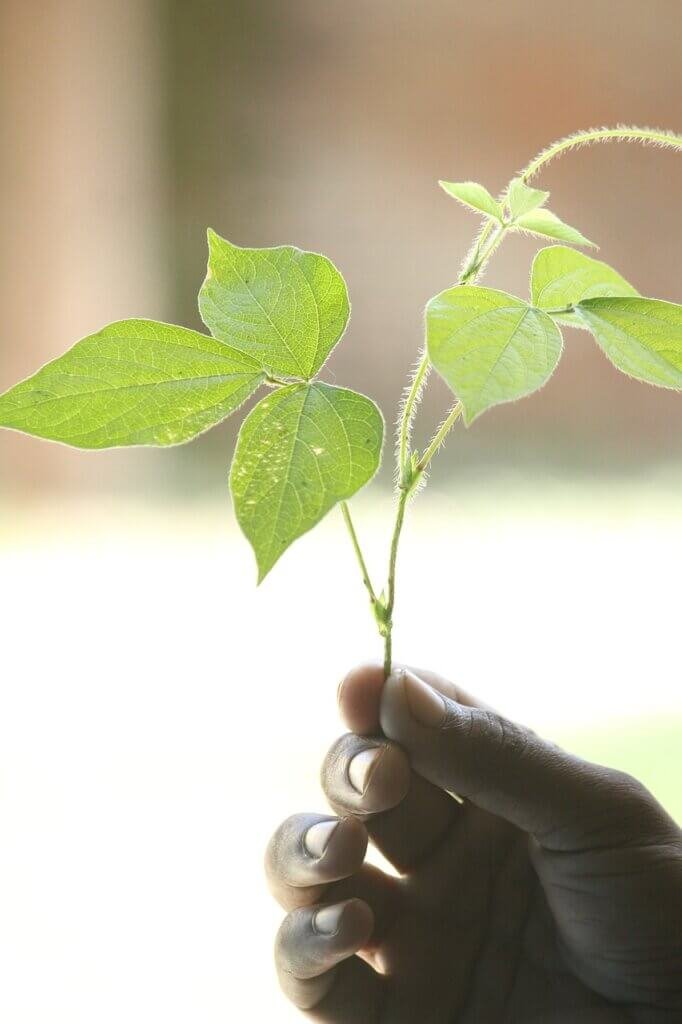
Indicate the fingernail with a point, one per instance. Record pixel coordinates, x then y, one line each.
316 839
327 920
424 703
361 767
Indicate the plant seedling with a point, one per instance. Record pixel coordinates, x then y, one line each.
274 317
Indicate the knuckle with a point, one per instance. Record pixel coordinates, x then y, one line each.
484 725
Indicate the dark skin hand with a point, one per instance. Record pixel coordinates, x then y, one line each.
551 895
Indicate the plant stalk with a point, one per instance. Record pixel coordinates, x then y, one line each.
409 472
403 497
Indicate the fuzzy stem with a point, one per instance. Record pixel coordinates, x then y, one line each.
408 412
440 435
623 133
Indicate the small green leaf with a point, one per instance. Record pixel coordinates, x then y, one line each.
473 195
562 277
134 382
300 451
283 307
548 225
522 198
642 337
489 347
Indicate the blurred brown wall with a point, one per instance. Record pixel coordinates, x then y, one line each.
130 127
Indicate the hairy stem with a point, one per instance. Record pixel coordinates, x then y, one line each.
622 133
408 412
440 435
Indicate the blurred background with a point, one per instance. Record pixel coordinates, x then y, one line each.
158 715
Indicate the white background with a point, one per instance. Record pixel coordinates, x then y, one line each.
159 714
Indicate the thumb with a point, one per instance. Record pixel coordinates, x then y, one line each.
564 802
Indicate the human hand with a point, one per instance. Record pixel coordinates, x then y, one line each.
552 894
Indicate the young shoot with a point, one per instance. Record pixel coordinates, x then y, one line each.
274 317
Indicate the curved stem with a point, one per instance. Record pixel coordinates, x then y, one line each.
625 133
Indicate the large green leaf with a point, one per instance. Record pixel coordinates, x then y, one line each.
489 347
134 382
473 195
300 451
283 307
522 198
642 337
562 277
548 225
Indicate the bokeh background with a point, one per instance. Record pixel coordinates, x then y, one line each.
158 714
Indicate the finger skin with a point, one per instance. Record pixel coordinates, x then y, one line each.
408 815
405 822
360 691
298 879
295 876
386 785
306 955
563 802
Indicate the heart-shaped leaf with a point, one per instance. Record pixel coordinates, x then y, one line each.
473 195
642 337
489 347
301 450
283 307
562 277
134 382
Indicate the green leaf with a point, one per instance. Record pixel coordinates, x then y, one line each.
548 225
642 337
522 198
134 382
283 307
300 451
562 277
473 195
489 347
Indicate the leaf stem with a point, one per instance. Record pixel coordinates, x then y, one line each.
440 435
358 552
559 312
